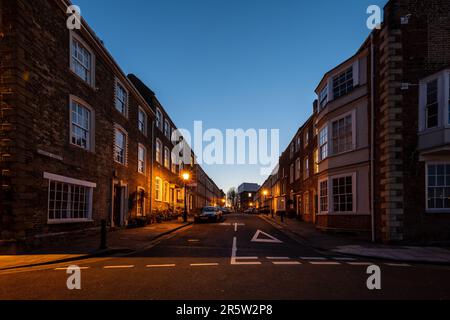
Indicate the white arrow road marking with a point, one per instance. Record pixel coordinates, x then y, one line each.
234 257
271 239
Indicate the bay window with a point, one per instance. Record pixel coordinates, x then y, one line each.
323 196
342 188
342 135
432 105
343 83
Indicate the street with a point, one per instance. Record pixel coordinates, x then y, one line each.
244 257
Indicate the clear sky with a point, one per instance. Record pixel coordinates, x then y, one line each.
231 63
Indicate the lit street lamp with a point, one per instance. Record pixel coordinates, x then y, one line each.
186 176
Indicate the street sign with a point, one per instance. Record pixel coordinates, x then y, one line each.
267 238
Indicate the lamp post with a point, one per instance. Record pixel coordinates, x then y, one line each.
265 193
186 176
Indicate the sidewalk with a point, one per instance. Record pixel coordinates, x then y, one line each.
349 246
120 241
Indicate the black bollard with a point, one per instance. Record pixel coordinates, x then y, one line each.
103 245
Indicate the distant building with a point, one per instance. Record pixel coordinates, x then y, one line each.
246 195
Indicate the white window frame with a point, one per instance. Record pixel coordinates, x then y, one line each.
166 160
125 134
166 192
118 84
428 209
158 189
306 170
79 39
142 161
331 150
91 131
320 195
298 166
159 151
74 182
331 195
327 142
323 97
443 78
144 129
167 129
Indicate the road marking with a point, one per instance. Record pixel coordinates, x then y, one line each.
278 258
224 224
398 264
325 263
271 239
360 263
66 268
343 259
193 240
203 264
236 226
286 263
160 265
313 258
234 257
118 267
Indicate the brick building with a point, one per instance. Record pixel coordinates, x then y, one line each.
76 136
381 121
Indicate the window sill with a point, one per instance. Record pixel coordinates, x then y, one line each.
69 221
88 84
438 211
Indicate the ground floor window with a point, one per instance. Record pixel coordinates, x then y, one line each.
438 186
69 199
307 203
323 188
343 194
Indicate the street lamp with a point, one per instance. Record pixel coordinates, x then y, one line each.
265 193
186 177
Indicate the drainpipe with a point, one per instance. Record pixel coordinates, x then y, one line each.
372 133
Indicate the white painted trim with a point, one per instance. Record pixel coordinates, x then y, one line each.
330 132
140 109
428 210
140 145
354 190
127 103
118 127
63 179
91 142
320 194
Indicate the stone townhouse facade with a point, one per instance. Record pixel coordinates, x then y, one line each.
76 134
77 138
168 189
382 123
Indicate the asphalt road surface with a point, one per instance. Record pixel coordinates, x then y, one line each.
242 258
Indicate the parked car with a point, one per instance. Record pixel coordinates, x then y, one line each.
226 210
209 214
250 211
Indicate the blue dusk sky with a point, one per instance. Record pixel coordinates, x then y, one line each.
231 63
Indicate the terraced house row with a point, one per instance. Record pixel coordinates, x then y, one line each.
374 157
80 141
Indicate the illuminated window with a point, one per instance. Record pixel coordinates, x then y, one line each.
158 148
158 189
140 202
166 158
306 169
323 143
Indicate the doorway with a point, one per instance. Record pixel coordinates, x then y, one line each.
119 204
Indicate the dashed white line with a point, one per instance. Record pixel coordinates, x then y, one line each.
398 264
160 265
278 258
66 268
118 267
325 263
343 259
313 258
204 264
360 263
286 263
